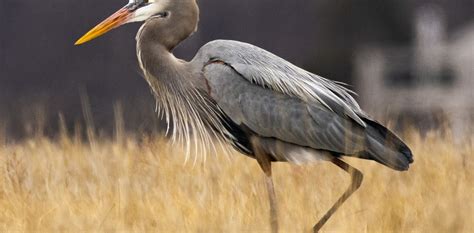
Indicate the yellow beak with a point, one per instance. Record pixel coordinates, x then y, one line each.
118 18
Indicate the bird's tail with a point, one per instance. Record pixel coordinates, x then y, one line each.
385 147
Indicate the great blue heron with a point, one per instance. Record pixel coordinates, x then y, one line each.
266 107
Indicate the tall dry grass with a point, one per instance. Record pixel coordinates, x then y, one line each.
129 185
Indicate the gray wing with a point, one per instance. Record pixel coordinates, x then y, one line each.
288 106
272 114
265 69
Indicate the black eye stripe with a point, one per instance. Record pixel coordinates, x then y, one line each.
137 4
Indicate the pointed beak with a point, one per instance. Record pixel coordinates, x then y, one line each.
117 19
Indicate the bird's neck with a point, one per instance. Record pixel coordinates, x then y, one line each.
162 69
156 59
155 43
157 38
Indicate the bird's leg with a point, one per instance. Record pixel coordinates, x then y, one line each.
272 197
265 163
356 181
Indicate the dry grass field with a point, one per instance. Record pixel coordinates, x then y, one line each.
129 185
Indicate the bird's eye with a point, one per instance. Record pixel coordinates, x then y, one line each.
164 14
144 2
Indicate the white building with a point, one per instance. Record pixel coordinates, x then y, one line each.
430 82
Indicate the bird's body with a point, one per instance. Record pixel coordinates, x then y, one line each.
267 108
233 91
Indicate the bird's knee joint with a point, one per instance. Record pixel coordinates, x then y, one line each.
357 178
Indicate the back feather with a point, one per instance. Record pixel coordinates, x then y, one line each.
270 71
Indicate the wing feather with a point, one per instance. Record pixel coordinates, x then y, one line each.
272 114
270 71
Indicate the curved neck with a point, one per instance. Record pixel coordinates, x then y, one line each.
155 58
157 37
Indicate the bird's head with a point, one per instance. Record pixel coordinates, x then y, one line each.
142 10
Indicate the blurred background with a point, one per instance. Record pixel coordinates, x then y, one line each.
411 61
